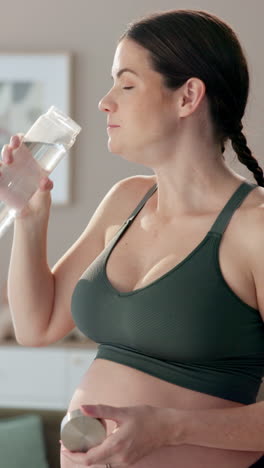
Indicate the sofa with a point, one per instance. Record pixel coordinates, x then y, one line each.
51 420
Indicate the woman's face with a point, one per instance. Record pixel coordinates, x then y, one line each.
139 104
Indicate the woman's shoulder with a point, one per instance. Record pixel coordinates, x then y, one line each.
250 223
254 209
130 191
140 182
126 194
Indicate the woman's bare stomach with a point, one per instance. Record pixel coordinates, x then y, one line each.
114 384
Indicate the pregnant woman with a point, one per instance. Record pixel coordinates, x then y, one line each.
168 275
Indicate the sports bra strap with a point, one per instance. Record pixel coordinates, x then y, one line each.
142 203
224 216
233 203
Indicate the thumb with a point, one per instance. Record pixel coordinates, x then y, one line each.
45 184
105 411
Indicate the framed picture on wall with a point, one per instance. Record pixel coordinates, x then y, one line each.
29 84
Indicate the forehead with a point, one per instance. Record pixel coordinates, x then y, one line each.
129 54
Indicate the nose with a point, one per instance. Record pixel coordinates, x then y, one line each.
106 104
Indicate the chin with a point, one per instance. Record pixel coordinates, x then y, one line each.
122 148
134 154
130 157
116 149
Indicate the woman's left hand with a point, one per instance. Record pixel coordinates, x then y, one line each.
139 431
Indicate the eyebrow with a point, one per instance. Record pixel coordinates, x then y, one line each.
123 70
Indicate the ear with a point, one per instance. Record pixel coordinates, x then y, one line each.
192 94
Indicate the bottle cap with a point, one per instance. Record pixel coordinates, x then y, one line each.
80 432
53 111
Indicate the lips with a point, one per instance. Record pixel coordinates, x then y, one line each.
112 126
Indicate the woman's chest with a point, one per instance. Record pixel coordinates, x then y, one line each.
167 293
139 258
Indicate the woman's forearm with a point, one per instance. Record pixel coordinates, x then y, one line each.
31 285
239 428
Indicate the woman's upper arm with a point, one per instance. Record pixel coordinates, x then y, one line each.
80 255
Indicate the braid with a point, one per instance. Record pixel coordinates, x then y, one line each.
239 144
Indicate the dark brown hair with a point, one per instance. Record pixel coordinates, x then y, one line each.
194 43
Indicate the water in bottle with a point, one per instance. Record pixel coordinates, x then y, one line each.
35 158
47 154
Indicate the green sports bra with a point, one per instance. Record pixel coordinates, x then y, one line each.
187 327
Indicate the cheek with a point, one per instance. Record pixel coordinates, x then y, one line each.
153 113
154 123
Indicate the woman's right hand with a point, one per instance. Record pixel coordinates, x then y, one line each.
39 204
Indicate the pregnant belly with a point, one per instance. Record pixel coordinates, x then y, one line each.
114 384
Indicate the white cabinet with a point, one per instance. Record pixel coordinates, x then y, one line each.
41 377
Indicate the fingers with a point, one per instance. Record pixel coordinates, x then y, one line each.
45 184
7 150
7 155
7 158
15 141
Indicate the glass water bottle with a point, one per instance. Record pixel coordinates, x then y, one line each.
44 145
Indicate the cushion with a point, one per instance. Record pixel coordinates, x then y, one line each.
21 442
